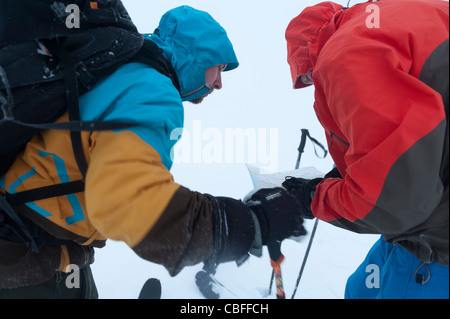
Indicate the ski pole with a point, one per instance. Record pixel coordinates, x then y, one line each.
306 257
271 282
301 148
276 258
277 267
305 133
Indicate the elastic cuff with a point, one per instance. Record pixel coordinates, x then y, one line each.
234 229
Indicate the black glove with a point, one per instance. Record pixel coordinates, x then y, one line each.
334 173
303 190
267 217
234 231
278 214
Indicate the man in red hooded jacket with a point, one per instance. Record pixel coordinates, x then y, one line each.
380 71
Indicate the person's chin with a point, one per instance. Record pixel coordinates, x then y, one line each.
198 100
201 98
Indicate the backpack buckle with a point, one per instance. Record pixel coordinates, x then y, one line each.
86 79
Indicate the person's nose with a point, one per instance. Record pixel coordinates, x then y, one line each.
218 82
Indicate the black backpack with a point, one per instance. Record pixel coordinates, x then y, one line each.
47 60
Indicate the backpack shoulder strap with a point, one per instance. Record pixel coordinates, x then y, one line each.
153 56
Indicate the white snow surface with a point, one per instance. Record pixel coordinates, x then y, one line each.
334 255
256 98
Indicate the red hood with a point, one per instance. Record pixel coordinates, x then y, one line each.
307 34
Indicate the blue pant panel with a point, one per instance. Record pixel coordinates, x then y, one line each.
389 272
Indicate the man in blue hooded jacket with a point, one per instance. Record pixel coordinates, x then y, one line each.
130 194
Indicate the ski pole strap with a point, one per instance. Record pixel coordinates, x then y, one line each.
276 258
301 147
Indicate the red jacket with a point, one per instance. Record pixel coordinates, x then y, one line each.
381 94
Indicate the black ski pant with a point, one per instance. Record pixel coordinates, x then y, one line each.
56 288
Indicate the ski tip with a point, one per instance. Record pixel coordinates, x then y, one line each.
151 289
205 284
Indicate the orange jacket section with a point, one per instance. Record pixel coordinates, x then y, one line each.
120 209
115 179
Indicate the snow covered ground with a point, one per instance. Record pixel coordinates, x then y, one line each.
335 254
258 105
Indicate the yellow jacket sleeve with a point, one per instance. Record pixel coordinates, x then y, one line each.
127 186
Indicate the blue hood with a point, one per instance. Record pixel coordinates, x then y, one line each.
193 41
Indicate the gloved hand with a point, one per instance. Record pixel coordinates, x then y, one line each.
303 190
267 217
278 215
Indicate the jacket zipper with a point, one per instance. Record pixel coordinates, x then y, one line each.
193 92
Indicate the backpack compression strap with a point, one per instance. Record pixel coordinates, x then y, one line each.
44 193
153 56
